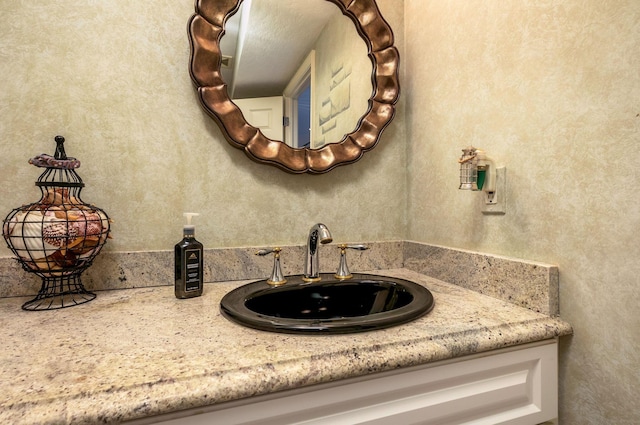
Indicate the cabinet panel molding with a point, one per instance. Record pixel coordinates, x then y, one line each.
512 386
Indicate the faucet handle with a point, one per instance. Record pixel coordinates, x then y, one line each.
277 278
343 272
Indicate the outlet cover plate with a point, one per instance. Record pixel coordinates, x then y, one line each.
496 204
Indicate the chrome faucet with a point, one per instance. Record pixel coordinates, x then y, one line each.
318 233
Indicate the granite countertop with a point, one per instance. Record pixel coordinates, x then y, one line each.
139 352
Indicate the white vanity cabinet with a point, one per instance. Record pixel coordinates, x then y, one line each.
516 385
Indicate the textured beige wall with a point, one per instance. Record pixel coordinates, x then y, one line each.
112 77
551 89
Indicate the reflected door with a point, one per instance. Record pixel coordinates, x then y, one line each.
303 120
264 113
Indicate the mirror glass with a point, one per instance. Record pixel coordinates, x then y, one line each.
337 90
298 70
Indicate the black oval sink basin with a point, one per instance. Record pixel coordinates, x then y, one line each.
365 302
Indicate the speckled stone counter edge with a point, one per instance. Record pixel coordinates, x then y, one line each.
528 284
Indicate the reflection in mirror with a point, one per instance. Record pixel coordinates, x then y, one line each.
206 28
298 70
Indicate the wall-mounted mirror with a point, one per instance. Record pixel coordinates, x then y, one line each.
302 85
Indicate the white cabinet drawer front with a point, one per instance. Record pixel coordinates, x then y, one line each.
513 386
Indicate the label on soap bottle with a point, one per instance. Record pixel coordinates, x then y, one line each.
189 271
192 272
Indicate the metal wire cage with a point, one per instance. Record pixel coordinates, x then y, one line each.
469 169
58 237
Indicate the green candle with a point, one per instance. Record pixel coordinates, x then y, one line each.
481 175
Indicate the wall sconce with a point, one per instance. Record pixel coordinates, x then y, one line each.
478 172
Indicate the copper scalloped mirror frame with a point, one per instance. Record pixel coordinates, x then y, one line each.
206 27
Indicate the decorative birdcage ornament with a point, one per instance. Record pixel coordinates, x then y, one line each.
58 237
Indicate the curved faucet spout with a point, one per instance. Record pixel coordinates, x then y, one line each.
319 233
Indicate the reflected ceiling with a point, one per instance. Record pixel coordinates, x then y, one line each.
275 38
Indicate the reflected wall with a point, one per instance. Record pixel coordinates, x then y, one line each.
341 94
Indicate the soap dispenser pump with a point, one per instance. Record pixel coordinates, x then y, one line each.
189 268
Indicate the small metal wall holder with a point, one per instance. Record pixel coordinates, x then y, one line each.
478 172
469 169
58 237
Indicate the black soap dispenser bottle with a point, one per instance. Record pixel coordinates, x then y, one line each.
189 269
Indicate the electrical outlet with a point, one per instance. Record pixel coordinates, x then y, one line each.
494 203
